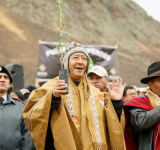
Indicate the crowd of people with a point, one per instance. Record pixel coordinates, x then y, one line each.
22 94
93 115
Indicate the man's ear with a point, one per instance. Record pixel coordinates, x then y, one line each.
107 81
10 85
150 84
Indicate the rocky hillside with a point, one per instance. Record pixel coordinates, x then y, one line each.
108 22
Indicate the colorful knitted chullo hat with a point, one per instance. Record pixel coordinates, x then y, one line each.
74 48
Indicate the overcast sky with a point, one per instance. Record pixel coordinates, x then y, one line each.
152 7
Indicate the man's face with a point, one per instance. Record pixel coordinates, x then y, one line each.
130 93
4 83
98 82
155 86
77 66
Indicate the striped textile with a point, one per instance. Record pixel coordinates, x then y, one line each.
141 101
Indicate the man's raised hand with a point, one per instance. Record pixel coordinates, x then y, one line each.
116 93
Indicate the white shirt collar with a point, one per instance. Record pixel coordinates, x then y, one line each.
5 97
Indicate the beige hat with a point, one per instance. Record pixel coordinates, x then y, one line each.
24 91
98 70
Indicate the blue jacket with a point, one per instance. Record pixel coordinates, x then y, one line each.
14 134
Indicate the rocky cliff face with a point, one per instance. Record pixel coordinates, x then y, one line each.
108 22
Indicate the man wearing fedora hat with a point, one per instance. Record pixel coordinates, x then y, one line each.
14 134
143 114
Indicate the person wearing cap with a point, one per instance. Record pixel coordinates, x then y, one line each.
25 93
13 130
76 120
143 114
98 77
16 94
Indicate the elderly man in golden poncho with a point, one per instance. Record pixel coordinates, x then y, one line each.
83 119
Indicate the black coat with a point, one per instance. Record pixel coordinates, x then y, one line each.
143 122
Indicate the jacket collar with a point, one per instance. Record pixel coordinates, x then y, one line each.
9 100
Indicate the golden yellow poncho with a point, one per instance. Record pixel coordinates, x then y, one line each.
79 122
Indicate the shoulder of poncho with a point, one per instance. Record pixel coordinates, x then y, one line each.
47 86
54 80
51 82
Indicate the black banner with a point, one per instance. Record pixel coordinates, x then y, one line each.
49 63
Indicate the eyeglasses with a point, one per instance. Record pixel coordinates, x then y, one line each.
76 58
